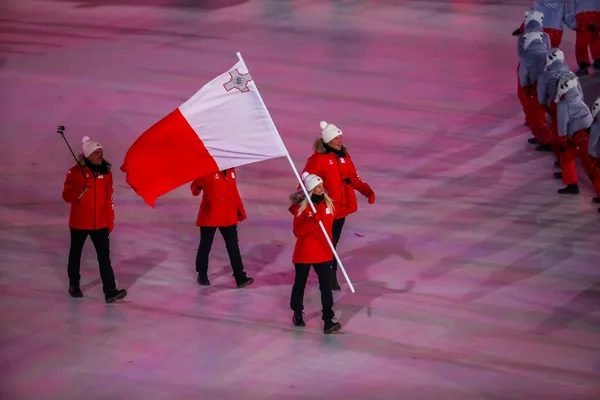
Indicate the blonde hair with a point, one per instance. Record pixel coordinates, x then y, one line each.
304 203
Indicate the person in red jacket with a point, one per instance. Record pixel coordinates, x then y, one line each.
222 208
89 188
332 162
312 249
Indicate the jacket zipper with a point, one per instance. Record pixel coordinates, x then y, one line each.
342 193
94 201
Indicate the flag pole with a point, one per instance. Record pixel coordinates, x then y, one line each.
287 154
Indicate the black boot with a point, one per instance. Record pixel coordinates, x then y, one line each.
558 175
75 291
298 319
533 140
331 326
115 295
245 282
583 69
570 189
333 280
203 280
596 200
544 147
597 64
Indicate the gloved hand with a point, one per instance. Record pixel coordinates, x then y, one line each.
85 187
371 197
516 32
348 181
241 215
196 190
591 28
317 216
88 182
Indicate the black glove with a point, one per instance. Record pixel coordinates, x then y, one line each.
348 181
591 28
516 32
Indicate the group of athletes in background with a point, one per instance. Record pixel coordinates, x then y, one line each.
546 86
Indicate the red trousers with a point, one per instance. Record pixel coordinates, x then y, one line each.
555 36
578 145
585 39
554 138
535 114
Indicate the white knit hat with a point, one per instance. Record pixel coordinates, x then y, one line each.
554 55
329 131
311 181
596 107
533 15
565 84
532 37
89 146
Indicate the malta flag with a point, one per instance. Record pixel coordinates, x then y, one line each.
225 124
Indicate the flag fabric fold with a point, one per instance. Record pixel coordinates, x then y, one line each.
224 125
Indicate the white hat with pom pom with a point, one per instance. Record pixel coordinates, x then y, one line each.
534 15
329 131
311 181
89 146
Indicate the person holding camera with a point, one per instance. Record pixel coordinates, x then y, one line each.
89 189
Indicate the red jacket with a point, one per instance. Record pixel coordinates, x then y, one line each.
221 203
340 178
92 208
311 246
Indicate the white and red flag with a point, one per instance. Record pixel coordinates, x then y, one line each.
225 124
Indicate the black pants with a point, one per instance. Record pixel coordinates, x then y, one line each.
336 232
229 233
102 244
297 300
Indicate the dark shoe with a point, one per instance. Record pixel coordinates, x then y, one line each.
558 175
331 326
203 280
75 291
583 69
544 147
533 140
556 164
115 295
596 200
596 64
570 189
333 281
298 319
244 283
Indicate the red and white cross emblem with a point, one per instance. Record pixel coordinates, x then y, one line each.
238 81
